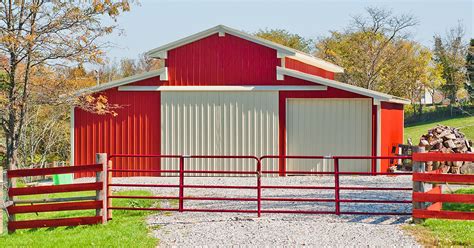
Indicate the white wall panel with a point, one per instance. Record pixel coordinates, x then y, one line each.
329 127
219 123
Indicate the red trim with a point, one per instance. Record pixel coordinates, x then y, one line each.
55 207
54 189
374 136
53 222
283 95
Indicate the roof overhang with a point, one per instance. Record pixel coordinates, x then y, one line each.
377 96
221 30
162 73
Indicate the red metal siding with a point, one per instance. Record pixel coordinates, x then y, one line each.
283 95
136 129
391 130
303 67
227 60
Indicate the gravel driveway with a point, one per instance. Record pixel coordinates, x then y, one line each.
192 229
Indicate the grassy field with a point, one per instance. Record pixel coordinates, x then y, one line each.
466 125
436 232
127 229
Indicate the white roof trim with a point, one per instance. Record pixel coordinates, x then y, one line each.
222 88
282 51
342 86
155 53
162 73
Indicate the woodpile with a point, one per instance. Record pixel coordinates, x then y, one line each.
447 140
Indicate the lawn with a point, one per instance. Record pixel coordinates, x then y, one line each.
127 229
465 124
437 232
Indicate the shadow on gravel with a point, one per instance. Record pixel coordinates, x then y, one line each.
372 219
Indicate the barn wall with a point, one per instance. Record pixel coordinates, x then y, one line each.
228 60
391 130
135 130
303 67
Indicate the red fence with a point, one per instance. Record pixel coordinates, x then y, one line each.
103 184
435 196
25 206
258 172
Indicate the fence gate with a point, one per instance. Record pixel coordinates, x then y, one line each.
258 172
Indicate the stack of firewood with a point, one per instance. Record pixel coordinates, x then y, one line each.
447 140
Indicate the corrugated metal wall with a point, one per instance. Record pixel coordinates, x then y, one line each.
329 127
227 60
303 67
135 130
391 130
219 123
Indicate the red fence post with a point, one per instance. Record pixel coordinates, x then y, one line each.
336 186
181 184
259 187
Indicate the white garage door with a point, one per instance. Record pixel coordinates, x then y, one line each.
219 123
329 127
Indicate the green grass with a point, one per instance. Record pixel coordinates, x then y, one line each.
437 232
466 125
127 229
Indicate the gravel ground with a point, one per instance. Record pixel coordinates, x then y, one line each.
191 229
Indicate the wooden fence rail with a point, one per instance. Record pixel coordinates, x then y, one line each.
25 206
433 199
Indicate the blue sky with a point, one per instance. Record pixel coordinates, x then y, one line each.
154 23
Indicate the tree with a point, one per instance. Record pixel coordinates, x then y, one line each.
39 36
450 52
370 49
286 38
470 71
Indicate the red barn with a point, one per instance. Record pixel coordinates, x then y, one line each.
225 92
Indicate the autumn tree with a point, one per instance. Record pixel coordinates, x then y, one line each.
470 71
370 49
284 37
39 36
450 52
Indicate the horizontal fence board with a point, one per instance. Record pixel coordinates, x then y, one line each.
424 157
51 171
14 225
443 178
455 215
55 207
55 189
430 197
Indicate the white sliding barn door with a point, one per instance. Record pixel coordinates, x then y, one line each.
340 126
219 123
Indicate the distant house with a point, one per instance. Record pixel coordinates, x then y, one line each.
427 98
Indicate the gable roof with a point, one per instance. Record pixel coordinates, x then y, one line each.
282 51
342 86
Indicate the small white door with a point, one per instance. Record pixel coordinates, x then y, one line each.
339 126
